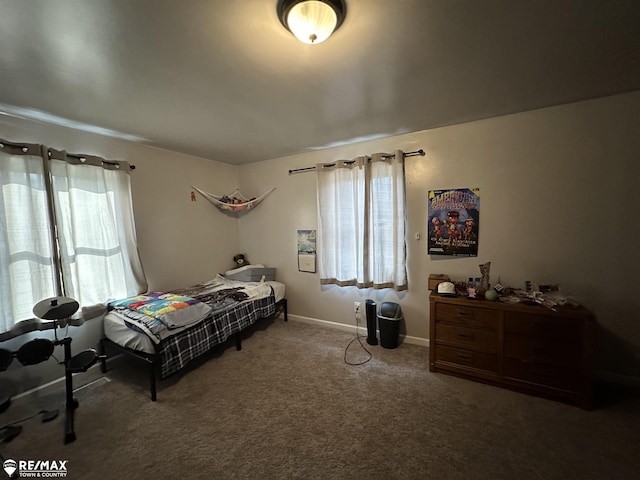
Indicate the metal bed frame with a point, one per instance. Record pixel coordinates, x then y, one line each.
153 359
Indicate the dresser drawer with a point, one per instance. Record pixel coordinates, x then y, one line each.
527 348
477 339
464 315
543 350
543 326
564 378
467 358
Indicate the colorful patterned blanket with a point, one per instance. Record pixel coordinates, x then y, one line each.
174 311
162 315
234 307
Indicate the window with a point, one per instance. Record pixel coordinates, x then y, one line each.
361 222
66 228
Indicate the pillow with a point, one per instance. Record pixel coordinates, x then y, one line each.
242 269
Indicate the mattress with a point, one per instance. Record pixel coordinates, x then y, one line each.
117 331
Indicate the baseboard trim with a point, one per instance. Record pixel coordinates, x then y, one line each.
408 339
610 377
90 375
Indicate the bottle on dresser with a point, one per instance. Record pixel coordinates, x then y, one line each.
471 288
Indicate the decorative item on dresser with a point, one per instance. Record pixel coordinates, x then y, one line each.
528 348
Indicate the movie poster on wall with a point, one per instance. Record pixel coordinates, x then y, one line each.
454 222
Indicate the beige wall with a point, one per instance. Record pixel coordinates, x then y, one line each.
558 204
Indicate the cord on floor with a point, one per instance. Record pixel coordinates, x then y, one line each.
358 338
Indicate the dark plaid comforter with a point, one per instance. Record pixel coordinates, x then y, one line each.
178 350
235 306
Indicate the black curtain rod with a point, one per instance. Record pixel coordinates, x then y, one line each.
26 146
309 169
83 158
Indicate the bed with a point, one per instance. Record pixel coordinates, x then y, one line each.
217 310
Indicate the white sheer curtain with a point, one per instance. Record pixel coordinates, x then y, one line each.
94 235
361 222
26 268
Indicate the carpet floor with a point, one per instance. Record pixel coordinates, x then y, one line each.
288 406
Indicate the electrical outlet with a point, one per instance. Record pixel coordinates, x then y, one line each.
356 307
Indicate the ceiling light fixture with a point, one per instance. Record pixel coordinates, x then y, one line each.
311 21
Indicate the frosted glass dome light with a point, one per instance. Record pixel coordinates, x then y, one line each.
311 21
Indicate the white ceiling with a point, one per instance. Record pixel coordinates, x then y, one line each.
225 81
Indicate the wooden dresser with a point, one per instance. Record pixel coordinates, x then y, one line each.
527 348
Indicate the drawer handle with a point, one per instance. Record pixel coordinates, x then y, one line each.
539 348
467 358
467 336
462 313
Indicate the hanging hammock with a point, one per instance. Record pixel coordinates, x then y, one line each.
233 202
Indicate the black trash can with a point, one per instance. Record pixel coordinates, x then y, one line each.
389 318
